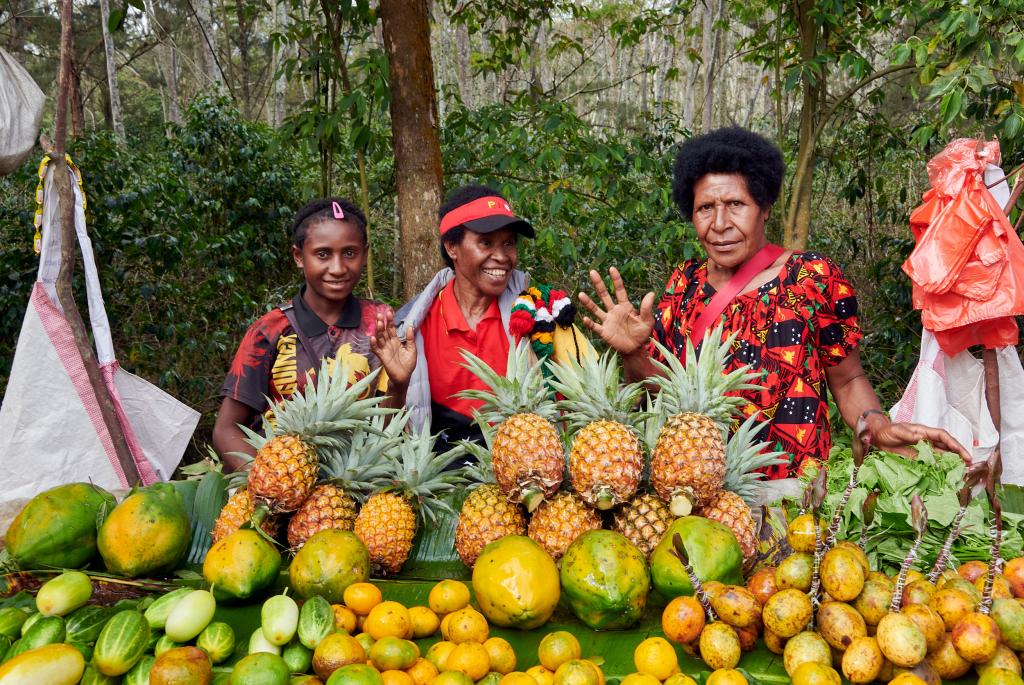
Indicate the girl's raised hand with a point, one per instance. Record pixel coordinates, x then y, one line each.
617 321
397 356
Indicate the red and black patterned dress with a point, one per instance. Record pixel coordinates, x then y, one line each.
790 330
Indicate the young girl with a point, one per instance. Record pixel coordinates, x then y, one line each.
324 320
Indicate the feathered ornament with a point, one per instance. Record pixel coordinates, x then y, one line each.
536 313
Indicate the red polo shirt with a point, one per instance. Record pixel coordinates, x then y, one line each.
445 334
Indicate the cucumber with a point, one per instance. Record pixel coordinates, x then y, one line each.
165 644
258 644
85 624
50 664
30 621
92 676
139 673
61 595
279 619
158 611
218 641
121 643
316 621
84 648
298 657
48 630
11 620
190 615
5 644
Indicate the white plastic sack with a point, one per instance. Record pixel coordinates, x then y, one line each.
51 429
21 112
949 393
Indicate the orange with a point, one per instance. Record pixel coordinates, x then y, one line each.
396 678
344 618
492 678
726 676
361 597
542 675
446 621
501 655
451 678
640 679
682 620
439 652
907 679
356 674
387 618
578 672
558 647
424 621
393 653
467 625
470 658
334 651
448 596
366 640
517 678
422 672
656 656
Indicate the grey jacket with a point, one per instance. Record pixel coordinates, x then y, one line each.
417 398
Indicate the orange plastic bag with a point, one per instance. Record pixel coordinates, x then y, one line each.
968 266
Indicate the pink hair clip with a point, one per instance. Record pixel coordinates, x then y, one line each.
338 212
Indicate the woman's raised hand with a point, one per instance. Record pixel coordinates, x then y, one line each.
617 321
397 356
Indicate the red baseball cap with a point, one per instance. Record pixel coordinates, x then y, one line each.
486 215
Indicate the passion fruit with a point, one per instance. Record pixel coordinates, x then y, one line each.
762 584
737 606
999 676
720 646
806 646
918 592
1001 588
862 660
976 637
842 574
930 623
923 671
901 641
795 572
774 643
787 612
951 605
840 624
813 673
1004 659
1009 616
873 601
1014 572
946 662
972 570
800 533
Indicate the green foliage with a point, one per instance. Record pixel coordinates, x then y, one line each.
191 235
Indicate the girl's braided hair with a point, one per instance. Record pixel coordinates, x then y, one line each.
322 209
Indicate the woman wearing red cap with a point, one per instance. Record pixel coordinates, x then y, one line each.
467 306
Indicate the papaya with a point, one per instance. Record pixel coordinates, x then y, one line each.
713 551
146 533
58 527
240 565
329 562
605 580
516 583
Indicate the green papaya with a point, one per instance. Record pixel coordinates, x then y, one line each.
604 578
713 552
58 527
146 533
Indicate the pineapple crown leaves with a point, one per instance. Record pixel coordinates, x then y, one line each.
364 462
482 470
521 389
421 474
592 391
325 410
745 456
700 385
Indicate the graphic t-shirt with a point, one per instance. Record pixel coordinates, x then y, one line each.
789 330
272 360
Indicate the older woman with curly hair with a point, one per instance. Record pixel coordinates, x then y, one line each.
794 313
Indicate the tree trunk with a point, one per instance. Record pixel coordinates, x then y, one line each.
798 213
418 178
75 94
280 85
116 117
205 40
243 38
465 76
712 39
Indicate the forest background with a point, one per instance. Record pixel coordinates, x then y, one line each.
200 126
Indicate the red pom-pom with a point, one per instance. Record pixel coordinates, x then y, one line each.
520 323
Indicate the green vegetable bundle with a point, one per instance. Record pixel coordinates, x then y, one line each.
937 477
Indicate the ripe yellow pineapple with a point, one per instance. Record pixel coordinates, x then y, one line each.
387 521
606 460
285 468
527 455
486 514
236 512
688 462
643 521
560 520
353 471
745 457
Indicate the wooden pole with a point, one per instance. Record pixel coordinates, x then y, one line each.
68 255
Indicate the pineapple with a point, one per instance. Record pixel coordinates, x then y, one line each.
743 482
486 513
688 462
236 513
606 460
387 522
559 521
527 455
352 473
643 521
284 470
